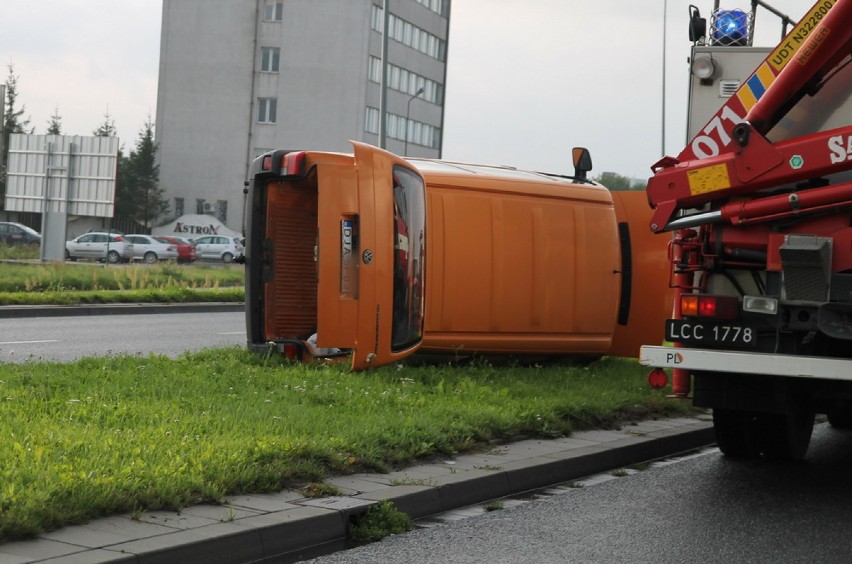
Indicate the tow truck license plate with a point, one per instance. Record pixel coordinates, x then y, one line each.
710 333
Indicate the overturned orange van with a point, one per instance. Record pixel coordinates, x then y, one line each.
526 263
368 258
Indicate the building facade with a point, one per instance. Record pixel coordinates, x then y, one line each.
241 77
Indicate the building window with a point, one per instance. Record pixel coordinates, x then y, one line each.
398 127
409 34
269 59
199 206
272 10
267 110
178 207
407 81
437 6
371 121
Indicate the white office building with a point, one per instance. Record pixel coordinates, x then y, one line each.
240 77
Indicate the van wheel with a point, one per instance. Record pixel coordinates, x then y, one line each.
227 258
150 257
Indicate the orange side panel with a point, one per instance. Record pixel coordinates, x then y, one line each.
291 294
515 271
651 298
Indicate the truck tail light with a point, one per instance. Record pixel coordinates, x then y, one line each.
702 305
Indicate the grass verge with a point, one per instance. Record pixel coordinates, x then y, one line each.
71 284
130 433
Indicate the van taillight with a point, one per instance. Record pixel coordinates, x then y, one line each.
291 351
293 163
266 163
702 305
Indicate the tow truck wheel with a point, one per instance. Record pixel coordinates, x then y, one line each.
735 433
840 419
786 436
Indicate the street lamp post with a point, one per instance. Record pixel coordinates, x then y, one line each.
407 112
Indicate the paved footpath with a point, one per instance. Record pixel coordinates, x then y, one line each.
286 527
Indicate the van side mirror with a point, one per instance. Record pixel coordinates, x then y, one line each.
582 161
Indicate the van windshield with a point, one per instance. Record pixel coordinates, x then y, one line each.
409 196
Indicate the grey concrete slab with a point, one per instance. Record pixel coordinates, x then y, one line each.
36 549
266 502
107 531
220 543
174 520
96 556
222 513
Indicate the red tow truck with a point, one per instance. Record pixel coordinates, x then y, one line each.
760 207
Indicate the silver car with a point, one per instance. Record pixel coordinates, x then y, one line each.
150 249
99 246
218 247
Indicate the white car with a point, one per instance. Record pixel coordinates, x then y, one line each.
150 249
99 246
218 247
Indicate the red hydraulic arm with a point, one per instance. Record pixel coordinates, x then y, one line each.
745 161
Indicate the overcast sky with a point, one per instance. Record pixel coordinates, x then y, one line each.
526 80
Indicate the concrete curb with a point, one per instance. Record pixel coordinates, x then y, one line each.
286 526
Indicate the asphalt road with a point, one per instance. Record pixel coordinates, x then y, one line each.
703 509
72 337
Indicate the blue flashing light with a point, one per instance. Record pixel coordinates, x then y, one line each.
730 27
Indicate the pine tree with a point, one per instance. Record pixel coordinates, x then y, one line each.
54 124
13 122
138 195
107 128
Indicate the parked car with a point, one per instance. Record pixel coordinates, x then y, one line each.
185 247
218 247
18 234
150 249
99 246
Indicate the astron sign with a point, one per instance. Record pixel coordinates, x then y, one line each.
209 229
195 225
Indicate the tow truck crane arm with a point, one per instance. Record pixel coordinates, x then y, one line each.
745 161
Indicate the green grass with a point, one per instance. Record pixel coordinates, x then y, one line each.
69 284
129 433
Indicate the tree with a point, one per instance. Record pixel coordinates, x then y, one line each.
139 196
107 128
54 124
615 182
13 122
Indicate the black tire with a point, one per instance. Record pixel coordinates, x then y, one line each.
113 257
735 433
785 436
227 258
840 419
150 257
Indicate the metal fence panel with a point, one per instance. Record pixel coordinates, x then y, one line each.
62 173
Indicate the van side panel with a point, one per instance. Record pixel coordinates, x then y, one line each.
516 271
